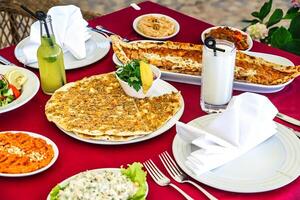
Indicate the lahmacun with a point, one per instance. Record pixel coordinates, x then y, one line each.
97 108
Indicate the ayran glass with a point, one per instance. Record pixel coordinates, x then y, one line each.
217 76
50 59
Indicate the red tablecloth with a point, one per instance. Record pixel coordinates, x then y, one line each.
76 156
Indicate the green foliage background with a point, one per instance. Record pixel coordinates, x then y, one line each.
281 37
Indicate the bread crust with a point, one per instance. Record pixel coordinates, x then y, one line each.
186 58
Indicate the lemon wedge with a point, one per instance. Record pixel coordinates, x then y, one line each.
16 78
146 76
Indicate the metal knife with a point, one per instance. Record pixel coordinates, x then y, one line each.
288 119
104 33
103 30
297 133
4 61
100 28
94 29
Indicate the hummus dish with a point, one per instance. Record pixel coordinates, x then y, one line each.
156 26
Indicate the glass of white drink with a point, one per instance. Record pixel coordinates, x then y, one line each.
217 76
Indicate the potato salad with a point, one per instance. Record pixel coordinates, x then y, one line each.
105 184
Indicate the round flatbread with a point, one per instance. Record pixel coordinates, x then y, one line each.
97 107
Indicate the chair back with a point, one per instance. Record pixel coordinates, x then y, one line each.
15 22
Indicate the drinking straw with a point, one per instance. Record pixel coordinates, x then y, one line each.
210 42
40 15
28 11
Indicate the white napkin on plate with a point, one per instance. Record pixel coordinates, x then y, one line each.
69 29
246 122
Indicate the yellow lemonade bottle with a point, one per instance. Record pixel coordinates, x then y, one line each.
50 58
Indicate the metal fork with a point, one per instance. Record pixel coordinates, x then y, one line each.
160 178
178 175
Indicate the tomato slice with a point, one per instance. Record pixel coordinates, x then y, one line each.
16 92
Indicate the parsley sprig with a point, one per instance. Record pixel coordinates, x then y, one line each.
131 74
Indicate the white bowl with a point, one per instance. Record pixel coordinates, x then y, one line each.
130 91
29 89
249 39
177 27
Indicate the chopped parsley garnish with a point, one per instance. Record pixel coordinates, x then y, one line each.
131 74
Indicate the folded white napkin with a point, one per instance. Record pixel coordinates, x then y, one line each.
246 122
70 31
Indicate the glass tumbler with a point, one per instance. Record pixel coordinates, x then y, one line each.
217 76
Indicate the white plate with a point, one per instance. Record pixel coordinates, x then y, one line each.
29 89
177 27
249 39
271 165
96 48
237 85
94 170
53 145
161 87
